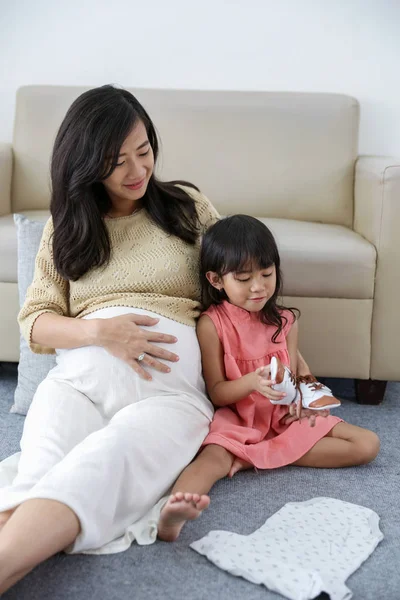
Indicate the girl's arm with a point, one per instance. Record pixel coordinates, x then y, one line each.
292 344
221 391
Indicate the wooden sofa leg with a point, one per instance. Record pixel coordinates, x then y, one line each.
369 391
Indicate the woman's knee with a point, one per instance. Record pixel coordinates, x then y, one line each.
367 447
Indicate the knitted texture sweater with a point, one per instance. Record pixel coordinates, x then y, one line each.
148 269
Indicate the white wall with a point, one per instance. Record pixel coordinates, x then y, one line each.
347 46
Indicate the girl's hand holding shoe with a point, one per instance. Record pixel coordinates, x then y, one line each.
295 410
264 383
297 413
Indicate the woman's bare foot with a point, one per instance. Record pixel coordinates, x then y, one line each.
239 465
180 508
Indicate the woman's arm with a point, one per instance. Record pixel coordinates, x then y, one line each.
122 336
55 331
48 294
46 324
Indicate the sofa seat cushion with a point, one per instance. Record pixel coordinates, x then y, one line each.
324 261
8 243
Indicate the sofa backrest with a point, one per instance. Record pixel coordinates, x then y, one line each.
275 154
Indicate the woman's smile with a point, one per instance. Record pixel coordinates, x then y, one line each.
135 186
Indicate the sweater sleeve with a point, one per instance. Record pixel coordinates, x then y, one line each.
208 214
48 292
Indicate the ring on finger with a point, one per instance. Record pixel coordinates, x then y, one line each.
141 357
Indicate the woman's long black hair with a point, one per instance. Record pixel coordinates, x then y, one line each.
85 153
236 243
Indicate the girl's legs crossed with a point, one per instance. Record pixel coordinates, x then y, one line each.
188 498
344 446
212 463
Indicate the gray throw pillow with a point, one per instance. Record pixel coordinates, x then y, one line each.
32 368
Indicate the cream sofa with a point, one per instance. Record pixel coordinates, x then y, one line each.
289 158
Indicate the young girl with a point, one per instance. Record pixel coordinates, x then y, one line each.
242 328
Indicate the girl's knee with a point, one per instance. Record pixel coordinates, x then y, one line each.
219 458
4 516
367 447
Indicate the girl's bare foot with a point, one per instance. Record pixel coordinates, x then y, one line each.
239 465
180 508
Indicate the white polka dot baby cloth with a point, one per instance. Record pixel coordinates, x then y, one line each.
302 550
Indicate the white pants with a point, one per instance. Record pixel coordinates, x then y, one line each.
109 444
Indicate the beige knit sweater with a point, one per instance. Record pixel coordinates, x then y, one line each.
148 269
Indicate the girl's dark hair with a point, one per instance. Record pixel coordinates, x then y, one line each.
231 245
85 153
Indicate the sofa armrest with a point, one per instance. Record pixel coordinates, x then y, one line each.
377 218
6 164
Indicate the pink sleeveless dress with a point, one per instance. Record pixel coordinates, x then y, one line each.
253 428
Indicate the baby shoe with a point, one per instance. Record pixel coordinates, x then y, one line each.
315 395
285 382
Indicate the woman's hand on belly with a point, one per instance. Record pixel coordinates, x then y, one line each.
126 338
